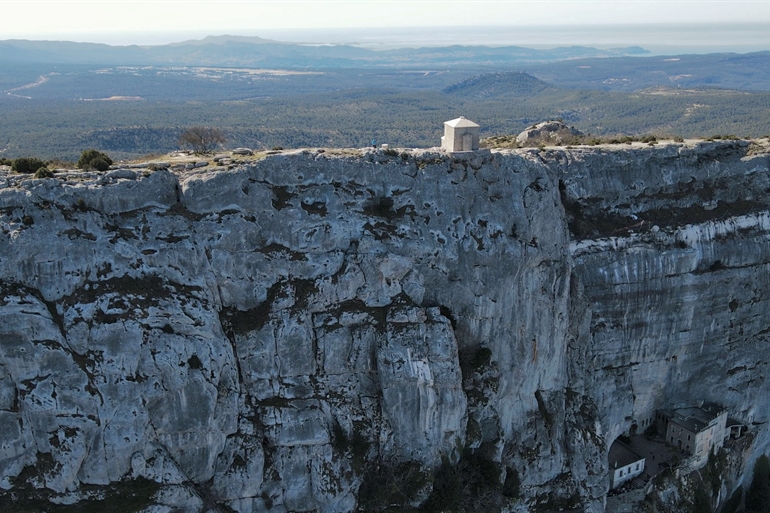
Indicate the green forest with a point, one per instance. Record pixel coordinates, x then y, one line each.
129 129
56 111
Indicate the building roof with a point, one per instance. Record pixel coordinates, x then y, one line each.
461 122
697 418
623 455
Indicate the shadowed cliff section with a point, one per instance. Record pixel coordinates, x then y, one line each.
617 192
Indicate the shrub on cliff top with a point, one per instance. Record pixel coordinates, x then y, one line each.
92 159
27 165
43 172
202 139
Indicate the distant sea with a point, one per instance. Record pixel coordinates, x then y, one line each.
658 39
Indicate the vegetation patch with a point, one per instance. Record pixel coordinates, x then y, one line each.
732 504
474 359
758 493
27 165
93 159
127 496
43 173
471 485
393 487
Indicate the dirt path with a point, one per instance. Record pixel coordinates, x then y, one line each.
42 79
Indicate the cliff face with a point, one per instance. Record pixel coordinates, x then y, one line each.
293 333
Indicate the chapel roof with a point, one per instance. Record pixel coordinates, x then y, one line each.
461 122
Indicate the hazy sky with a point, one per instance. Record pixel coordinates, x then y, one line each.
161 21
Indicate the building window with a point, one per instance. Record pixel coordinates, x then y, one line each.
688 437
637 467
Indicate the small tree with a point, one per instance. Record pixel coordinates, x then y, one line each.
202 139
27 165
92 159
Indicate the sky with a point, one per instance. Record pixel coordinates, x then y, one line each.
165 21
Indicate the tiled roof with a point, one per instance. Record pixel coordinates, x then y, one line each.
696 419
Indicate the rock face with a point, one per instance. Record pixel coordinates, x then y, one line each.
288 334
549 133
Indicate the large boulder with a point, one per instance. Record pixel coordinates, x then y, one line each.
549 132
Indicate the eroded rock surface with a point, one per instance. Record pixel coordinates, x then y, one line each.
549 133
278 335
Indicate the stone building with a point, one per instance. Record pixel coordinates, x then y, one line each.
625 464
696 430
460 135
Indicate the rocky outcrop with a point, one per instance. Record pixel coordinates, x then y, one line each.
549 133
295 333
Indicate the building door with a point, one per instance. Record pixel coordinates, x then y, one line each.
467 142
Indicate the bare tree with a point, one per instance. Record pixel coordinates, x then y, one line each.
202 139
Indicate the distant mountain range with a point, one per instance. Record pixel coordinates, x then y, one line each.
239 51
748 71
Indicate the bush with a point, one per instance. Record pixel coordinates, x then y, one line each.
702 500
92 159
392 487
734 502
43 172
512 485
202 139
27 165
5 162
447 489
100 164
758 494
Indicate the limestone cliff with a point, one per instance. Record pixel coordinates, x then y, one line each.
293 334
